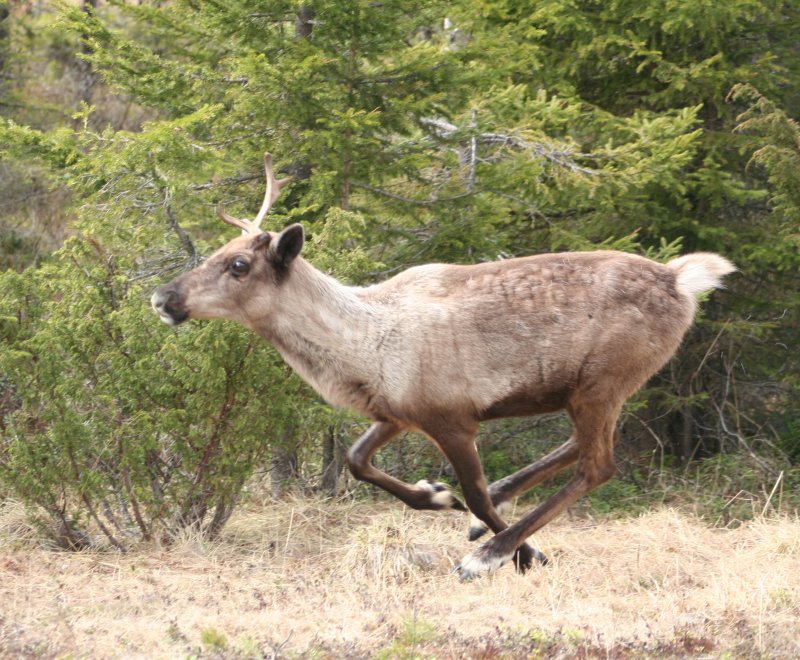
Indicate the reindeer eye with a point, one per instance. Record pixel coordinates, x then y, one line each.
239 266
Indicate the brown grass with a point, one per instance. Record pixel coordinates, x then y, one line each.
323 579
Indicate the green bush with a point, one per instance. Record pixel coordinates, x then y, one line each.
121 426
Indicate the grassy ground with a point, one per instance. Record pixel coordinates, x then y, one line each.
322 579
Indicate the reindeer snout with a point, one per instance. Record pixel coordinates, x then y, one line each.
166 301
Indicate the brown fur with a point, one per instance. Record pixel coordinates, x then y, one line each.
440 348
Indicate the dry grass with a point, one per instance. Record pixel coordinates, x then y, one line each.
322 579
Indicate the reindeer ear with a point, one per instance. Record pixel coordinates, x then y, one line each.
288 244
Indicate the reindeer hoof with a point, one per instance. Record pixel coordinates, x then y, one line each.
479 563
525 555
440 496
484 562
478 528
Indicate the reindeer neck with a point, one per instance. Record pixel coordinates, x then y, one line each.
322 329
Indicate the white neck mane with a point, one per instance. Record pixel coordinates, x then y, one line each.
327 333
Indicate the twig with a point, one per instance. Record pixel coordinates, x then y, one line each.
188 246
473 155
774 488
227 182
137 514
710 348
100 524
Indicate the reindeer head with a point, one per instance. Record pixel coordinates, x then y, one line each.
236 281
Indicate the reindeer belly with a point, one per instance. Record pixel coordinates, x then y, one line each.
533 385
523 404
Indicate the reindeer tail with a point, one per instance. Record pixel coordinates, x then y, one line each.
700 271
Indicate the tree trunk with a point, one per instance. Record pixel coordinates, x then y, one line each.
304 22
332 456
283 468
4 39
85 74
283 465
687 447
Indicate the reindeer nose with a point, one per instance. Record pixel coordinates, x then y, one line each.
159 300
166 302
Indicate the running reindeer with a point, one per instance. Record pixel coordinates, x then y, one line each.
440 348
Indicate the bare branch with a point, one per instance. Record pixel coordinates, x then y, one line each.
563 158
226 182
188 246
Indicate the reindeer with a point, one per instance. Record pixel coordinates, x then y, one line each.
440 348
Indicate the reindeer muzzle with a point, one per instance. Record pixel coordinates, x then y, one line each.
168 304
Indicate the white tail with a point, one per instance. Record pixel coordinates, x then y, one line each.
701 271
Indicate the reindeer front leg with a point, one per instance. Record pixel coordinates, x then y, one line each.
457 442
422 495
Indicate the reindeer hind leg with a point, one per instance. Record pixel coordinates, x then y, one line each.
504 490
595 432
422 495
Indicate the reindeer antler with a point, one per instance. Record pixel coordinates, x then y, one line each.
272 193
244 225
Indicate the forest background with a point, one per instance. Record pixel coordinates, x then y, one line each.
415 132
